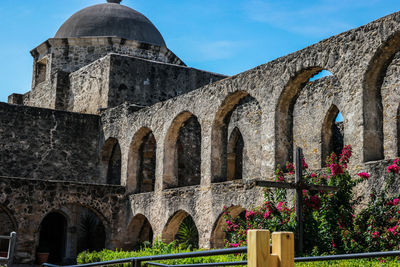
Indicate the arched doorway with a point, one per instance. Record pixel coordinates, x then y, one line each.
139 231
218 234
91 232
181 227
52 238
235 155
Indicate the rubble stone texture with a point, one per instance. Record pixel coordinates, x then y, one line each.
124 129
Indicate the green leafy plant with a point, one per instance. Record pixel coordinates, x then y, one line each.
188 236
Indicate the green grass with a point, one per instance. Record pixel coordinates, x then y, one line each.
349 263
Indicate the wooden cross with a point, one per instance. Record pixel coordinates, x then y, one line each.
299 186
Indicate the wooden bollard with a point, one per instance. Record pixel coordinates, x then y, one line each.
258 249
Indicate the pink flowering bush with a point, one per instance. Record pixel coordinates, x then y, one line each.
377 227
330 225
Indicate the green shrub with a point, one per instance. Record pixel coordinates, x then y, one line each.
158 248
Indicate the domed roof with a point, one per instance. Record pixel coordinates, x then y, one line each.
111 19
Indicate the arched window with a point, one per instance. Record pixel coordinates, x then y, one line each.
111 162
182 152
332 134
235 155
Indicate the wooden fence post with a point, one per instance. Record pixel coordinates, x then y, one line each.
258 249
283 248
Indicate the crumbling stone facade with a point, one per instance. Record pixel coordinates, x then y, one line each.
142 141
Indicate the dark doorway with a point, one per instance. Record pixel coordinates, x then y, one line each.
53 237
91 232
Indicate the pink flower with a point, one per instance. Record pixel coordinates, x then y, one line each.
303 162
336 169
313 175
266 214
375 234
290 167
393 169
279 206
393 230
396 161
364 175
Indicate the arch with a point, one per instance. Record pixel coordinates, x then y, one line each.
139 230
219 135
171 229
235 155
91 234
8 224
218 235
331 135
284 114
372 98
142 162
110 158
53 236
182 152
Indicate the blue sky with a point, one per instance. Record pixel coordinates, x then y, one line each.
224 36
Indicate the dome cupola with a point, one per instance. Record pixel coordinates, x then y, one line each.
111 20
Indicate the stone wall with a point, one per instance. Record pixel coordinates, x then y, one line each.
48 144
28 201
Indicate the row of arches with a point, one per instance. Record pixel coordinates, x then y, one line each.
140 229
226 163
182 149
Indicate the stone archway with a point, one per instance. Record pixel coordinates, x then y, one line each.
218 235
235 156
182 152
331 135
284 114
170 231
139 230
373 148
142 162
110 159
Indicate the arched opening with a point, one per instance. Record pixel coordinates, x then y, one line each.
52 238
7 225
284 115
111 162
372 98
218 235
235 155
332 134
238 109
139 231
142 162
182 160
91 232
181 227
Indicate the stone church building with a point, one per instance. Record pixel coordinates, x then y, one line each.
118 141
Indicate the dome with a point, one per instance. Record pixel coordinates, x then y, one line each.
111 20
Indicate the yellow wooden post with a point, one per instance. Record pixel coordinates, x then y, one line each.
258 248
283 248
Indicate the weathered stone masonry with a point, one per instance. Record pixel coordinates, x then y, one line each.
183 142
